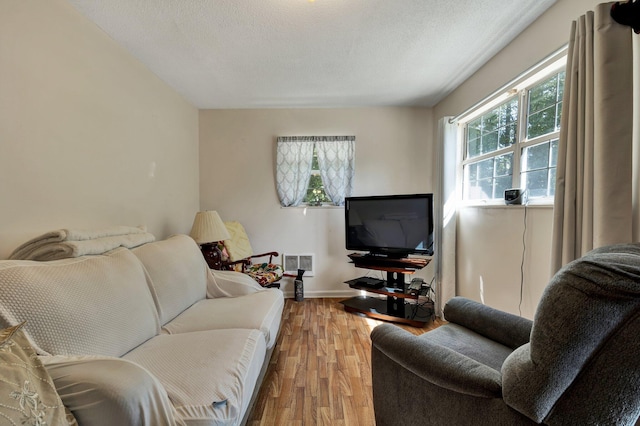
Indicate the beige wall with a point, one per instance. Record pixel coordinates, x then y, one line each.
88 136
502 252
394 152
490 240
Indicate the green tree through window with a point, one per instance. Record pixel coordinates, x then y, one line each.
315 191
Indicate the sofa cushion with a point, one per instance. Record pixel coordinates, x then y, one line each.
178 273
261 310
208 375
27 393
93 305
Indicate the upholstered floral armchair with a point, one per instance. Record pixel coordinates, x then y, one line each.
237 254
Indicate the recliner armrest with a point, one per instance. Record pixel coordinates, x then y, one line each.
510 330
436 364
110 391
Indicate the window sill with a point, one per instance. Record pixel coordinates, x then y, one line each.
502 205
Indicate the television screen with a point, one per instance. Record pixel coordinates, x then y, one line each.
392 225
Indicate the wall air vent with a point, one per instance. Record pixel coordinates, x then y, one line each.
292 262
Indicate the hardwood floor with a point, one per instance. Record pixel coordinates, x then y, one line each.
320 372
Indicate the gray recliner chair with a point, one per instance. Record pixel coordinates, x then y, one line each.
577 363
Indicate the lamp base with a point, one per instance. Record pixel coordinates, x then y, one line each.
212 255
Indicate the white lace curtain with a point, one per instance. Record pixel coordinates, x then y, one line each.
336 161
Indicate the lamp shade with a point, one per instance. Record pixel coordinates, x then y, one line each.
208 228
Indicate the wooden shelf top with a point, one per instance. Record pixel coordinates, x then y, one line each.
406 264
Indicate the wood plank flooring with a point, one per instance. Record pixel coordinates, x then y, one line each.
320 371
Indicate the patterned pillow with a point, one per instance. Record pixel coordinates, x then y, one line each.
265 273
27 393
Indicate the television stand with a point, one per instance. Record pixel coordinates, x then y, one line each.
395 306
393 264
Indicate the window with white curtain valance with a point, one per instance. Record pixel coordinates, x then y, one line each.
335 160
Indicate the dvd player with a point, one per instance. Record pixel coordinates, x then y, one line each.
368 282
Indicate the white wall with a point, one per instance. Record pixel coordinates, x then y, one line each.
88 136
237 174
491 246
489 240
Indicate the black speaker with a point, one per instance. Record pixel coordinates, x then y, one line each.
299 286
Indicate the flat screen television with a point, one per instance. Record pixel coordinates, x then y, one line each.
390 225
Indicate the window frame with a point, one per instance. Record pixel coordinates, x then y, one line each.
519 90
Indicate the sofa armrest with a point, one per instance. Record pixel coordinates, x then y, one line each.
110 391
510 330
230 284
435 364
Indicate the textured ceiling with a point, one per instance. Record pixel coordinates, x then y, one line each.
322 53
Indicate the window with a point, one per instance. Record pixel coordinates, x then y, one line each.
313 170
515 144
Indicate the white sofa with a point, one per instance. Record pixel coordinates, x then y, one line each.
149 336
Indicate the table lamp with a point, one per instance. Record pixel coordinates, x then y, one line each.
207 230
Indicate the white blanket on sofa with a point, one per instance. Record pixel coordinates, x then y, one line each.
65 243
